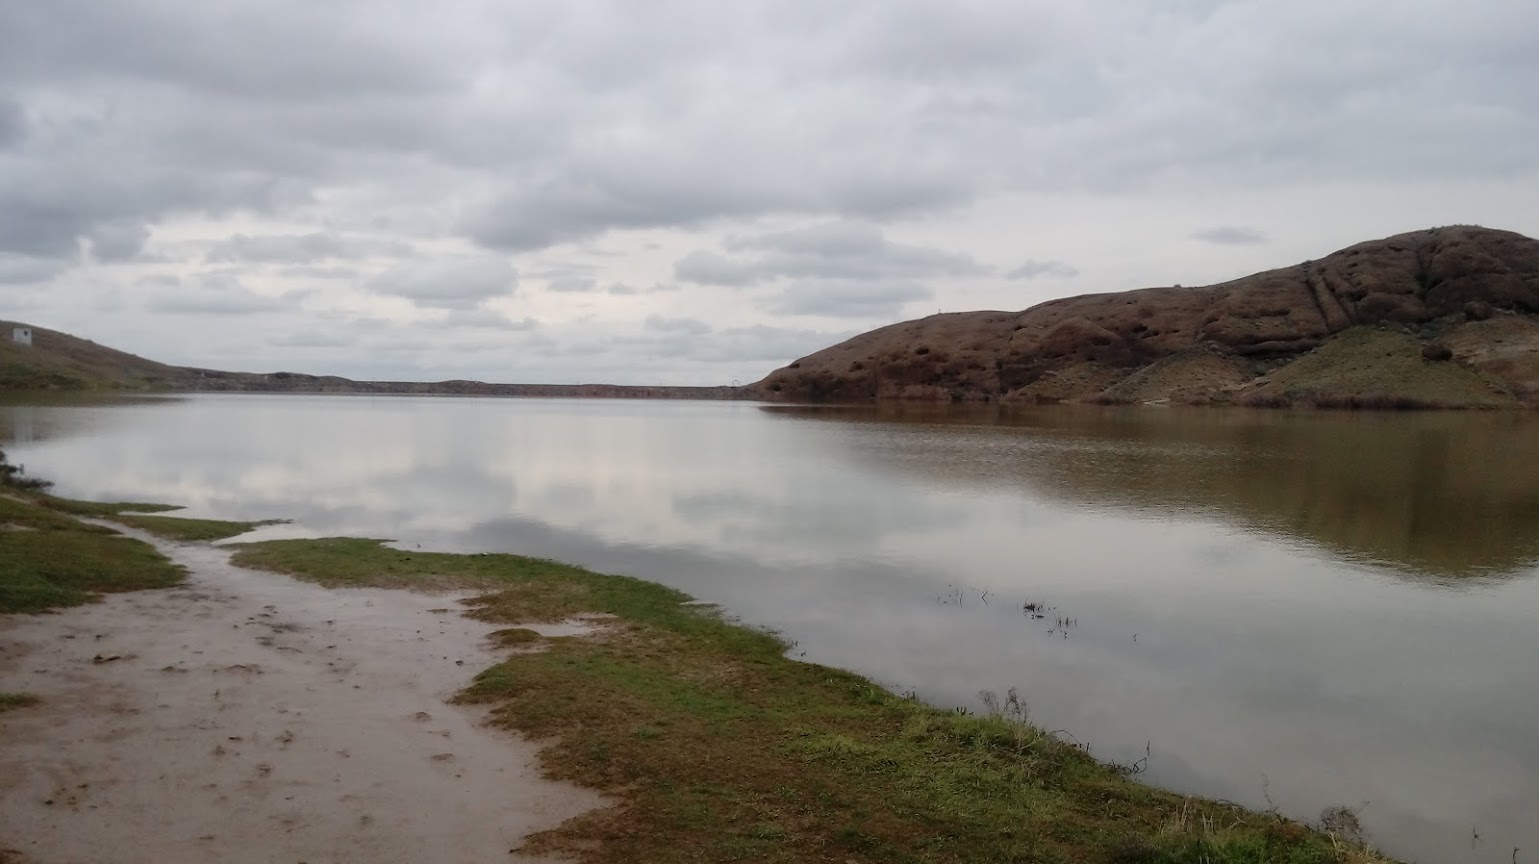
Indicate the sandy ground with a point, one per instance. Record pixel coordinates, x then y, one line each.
249 717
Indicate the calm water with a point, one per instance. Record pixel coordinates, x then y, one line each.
1308 609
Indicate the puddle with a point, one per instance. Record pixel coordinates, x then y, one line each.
249 717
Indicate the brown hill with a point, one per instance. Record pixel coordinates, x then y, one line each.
1454 315
56 361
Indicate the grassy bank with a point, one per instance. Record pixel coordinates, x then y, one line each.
1376 369
49 559
191 530
719 748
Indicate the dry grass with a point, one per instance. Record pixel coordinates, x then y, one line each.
58 361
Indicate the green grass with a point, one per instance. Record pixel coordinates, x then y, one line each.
177 528
12 701
716 747
132 513
1375 368
101 509
49 560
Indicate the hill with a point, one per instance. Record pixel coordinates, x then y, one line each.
59 361
1446 317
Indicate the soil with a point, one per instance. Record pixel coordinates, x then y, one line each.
247 717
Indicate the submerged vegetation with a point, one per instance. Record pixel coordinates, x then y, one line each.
12 701
718 747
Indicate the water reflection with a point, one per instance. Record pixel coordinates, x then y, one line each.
1251 589
1435 495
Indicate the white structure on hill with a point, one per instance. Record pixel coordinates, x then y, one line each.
21 335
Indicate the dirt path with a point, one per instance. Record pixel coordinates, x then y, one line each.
249 717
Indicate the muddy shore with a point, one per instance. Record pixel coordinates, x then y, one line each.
250 717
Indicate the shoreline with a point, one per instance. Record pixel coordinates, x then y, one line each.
246 718
707 736
1327 403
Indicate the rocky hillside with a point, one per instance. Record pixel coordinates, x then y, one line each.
1446 317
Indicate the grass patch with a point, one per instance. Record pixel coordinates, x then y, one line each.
1367 368
718 748
178 528
101 509
49 560
12 701
515 637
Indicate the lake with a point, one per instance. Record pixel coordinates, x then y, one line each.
1296 610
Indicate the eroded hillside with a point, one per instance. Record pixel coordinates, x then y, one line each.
1452 313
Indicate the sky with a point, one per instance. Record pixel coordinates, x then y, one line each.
683 192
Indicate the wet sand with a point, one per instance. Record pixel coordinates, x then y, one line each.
249 717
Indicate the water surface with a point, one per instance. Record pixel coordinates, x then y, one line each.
1299 610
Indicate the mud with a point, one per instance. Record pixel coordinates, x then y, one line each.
249 717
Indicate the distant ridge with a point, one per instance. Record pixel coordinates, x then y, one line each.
59 361
1440 318
1445 317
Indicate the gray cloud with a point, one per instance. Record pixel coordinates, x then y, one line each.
1230 235
840 298
314 337
670 187
354 129
117 240
694 341
550 127
624 289
570 283
837 250
487 319
1033 268
209 294
311 271
447 283
707 267
13 121
690 326
767 344
25 270
301 249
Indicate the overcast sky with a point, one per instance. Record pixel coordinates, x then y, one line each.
699 192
